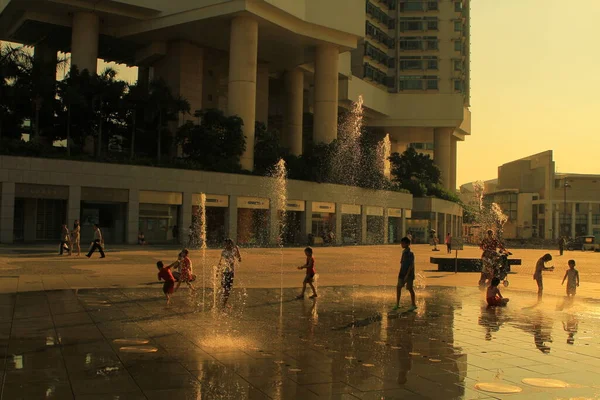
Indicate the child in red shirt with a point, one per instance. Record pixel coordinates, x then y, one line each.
494 297
310 273
165 274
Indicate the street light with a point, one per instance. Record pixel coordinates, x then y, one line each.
565 186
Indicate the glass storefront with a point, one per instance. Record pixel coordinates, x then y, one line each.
110 217
374 229
323 228
157 222
351 224
253 221
292 234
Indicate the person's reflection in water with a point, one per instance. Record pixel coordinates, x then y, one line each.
405 343
541 334
570 326
491 319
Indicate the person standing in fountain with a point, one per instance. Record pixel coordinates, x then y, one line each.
185 269
165 274
229 255
490 246
310 273
407 274
572 278
540 266
448 243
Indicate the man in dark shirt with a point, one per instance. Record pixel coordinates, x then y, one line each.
407 273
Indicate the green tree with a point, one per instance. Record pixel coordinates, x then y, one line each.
216 143
414 172
267 149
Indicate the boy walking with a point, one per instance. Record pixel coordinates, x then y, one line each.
310 273
164 273
407 274
572 277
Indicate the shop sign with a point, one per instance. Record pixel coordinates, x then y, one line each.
253 202
408 213
323 207
104 195
31 191
353 209
153 197
295 205
212 200
375 211
395 212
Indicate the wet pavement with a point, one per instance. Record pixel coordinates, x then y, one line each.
126 344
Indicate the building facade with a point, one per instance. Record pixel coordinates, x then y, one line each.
276 61
38 195
543 203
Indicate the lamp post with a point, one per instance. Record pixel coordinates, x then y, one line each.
565 186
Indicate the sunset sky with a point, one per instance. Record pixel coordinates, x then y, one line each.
535 85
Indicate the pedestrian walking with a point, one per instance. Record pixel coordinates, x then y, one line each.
97 244
65 240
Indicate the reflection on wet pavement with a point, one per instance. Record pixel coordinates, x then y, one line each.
126 344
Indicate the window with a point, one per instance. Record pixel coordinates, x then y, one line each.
378 14
458 65
458 6
376 33
432 42
432 24
410 43
411 83
458 26
432 5
432 64
432 82
411 64
375 74
411 6
458 46
411 24
376 54
458 85
391 4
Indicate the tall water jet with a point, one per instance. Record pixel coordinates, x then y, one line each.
488 218
279 195
203 246
346 159
384 151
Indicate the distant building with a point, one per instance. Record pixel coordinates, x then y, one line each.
541 202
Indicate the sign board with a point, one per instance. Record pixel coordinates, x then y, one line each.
256 203
323 207
212 200
31 191
104 195
395 212
295 205
408 213
154 197
375 211
353 209
457 243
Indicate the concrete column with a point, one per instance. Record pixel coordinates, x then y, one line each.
363 225
262 94
403 224
444 228
74 205
232 217
386 226
85 32
573 219
307 220
557 228
274 223
441 153
436 226
590 229
453 142
186 216
292 117
7 212
133 216
338 224
143 78
243 48
326 93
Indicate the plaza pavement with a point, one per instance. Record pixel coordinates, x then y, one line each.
73 328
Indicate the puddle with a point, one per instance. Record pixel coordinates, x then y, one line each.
131 341
294 370
368 365
138 349
414 353
545 383
496 387
106 371
435 360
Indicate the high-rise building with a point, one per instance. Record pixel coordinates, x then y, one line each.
291 64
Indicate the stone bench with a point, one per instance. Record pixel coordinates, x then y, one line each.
465 264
